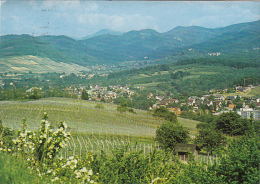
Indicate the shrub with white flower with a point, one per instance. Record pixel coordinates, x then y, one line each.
41 149
45 144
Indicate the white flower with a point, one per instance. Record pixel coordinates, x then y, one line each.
155 179
49 171
83 169
78 175
90 172
28 159
55 179
65 125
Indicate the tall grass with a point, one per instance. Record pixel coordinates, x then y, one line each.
13 170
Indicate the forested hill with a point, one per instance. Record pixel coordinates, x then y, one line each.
135 45
193 75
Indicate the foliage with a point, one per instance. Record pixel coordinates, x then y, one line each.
134 167
84 95
241 163
163 112
6 136
41 148
99 106
122 108
14 169
231 123
210 139
169 134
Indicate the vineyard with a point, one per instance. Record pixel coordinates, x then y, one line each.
83 117
92 129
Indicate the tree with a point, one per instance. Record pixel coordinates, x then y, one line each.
169 134
231 123
210 139
163 112
84 95
121 108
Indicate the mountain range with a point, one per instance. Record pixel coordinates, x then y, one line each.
110 47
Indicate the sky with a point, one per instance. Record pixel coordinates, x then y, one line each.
78 19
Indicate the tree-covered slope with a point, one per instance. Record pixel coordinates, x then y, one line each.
134 45
193 75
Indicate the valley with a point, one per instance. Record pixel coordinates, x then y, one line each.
132 107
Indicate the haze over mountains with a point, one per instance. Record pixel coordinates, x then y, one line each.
110 47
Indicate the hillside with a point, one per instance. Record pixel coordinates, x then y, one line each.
36 64
145 44
82 116
192 75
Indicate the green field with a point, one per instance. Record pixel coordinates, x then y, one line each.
254 92
24 64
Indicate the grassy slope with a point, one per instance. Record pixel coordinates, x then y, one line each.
24 64
254 92
13 170
82 116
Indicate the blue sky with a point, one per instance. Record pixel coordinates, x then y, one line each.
81 18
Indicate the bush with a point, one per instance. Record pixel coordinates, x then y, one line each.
163 112
100 106
241 163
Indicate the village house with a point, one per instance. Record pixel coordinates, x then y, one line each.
150 96
247 114
191 102
193 98
163 104
231 107
209 103
198 103
32 89
204 97
155 106
171 101
231 97
219 103
242 89
219 97
183 150
257 104
159 98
